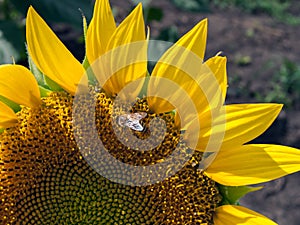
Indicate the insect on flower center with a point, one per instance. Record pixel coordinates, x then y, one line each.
132 120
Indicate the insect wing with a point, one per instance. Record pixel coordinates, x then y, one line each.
138 116
131 120
135 125
134 121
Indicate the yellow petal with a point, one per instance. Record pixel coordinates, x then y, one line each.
7 116
50 55
100 30
237 125
126 58
182 65
18 85
253 164
217 65
233 215
247 121
191 89
123 75
130 30
212 88
195 39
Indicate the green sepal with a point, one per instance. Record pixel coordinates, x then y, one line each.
42 80
144 89
44 92
52 85
14 106
39 76
84 24
232 194
86 65
85 62
2 130
89 72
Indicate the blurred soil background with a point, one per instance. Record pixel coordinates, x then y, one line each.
260 39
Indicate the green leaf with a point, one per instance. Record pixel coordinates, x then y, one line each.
57 10
231 195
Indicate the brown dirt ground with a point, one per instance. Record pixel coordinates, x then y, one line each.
270 42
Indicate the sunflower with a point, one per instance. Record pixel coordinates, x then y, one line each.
103 142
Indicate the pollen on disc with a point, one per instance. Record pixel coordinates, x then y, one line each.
45 179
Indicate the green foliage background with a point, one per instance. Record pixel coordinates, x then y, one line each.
12 21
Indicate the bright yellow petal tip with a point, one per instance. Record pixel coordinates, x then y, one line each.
7 116
50 55
181 64
19 85
100 30
217 64
233 215
125 58
195 39
131 29
244 122
253 164
238 124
